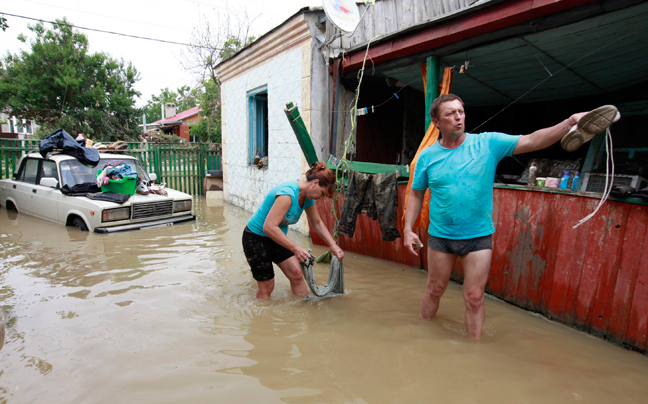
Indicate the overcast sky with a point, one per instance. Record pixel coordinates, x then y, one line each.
157 62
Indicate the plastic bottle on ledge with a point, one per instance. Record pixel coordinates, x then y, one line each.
533 172
576 181
564 180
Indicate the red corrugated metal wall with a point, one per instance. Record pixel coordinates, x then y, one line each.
594 277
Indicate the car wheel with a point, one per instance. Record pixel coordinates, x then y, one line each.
79 224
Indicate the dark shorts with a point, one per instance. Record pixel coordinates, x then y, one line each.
460 247
261 252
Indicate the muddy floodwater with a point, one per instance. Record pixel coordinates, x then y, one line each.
168 315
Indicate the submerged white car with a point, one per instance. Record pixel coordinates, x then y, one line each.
35 190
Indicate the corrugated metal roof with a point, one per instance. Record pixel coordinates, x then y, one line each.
388 18
597 55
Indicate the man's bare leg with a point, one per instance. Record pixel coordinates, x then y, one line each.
439 269
476 266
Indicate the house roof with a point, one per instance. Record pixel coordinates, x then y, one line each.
179 117
267 34
591 49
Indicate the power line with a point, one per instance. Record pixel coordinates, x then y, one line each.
109 32
104 16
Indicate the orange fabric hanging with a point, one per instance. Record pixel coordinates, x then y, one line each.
431 136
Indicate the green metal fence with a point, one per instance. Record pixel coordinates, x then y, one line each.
10 152
180 166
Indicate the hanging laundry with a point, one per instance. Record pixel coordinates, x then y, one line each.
361 111
375 194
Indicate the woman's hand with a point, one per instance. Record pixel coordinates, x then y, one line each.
337 251
301 254
322 230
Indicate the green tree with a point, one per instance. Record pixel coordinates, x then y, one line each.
184 98
60 84
232 45
209 126
210 47
216 39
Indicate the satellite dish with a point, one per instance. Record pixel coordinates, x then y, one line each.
343 14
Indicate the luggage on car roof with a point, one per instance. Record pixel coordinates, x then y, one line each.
60 139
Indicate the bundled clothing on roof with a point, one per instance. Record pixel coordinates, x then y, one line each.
60 139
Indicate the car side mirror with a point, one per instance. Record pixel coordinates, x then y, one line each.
153 176
49 182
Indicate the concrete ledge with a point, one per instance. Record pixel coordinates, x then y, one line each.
214 198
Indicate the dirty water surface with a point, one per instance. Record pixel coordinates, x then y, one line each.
168 315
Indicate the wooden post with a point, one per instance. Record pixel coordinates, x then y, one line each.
301 133
431 87
306 145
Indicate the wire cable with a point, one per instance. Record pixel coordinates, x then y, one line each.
555 74
108 32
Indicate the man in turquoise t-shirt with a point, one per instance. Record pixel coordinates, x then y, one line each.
459 170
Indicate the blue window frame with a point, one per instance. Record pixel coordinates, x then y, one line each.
258 122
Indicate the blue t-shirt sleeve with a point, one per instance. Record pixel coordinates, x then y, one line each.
420 181
286 190
503 145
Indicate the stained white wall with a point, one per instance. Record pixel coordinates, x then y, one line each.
246 185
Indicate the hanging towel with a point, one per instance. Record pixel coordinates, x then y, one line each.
373 194
431 136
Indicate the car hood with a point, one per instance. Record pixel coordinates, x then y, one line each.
137 198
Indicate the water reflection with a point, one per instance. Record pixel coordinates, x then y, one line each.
169 315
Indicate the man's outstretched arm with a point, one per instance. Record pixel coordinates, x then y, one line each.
543 138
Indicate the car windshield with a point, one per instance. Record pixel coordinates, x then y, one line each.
73 172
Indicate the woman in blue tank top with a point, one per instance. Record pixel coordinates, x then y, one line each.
265 240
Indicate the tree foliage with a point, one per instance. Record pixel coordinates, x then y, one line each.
60 84
209 126
210 46
184 98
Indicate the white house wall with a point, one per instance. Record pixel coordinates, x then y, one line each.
246 185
